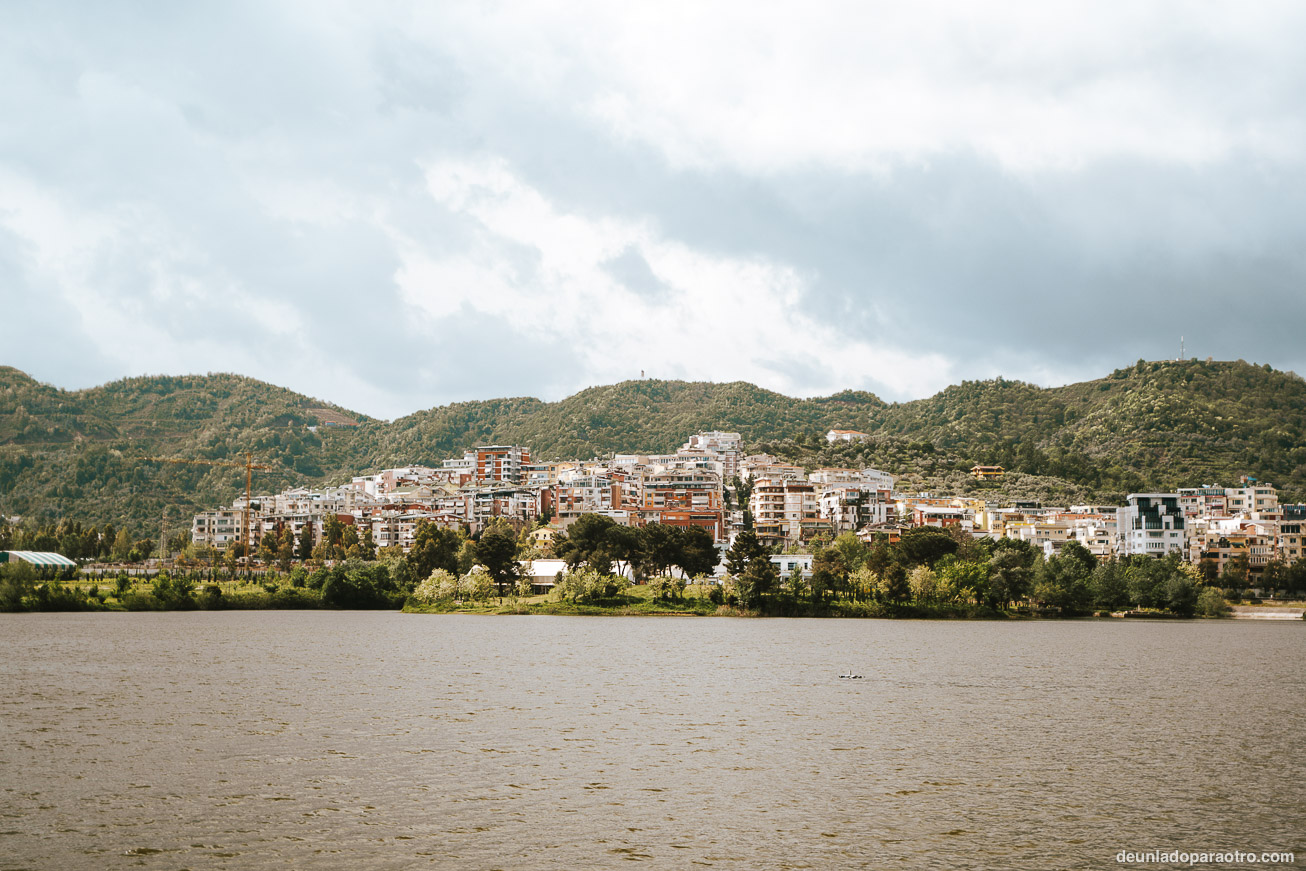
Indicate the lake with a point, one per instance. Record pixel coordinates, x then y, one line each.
363 740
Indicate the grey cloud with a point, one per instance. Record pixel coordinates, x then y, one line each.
632 270
174 119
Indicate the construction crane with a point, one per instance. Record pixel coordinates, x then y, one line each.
249 466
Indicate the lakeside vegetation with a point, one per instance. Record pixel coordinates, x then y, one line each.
664 570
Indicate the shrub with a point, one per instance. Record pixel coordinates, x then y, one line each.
439 586
1210 603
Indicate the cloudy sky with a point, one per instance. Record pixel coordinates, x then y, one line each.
396 206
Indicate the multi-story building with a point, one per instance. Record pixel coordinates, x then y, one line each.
1291 545
873 477
727 447
849 507
500 462
1252 497
776 470
1208 500
1151 524
941 516
677 489
218 529
578 494
786 511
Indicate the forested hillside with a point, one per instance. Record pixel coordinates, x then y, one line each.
630 417
80 454
1149 426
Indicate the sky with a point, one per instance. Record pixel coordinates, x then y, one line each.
394 206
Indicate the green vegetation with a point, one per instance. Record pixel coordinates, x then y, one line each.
928 573
351 584
1151 426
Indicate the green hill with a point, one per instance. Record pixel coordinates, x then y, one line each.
79 453
630 417
1149 426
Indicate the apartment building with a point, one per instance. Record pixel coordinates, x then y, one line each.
786 510
851 506
1151 524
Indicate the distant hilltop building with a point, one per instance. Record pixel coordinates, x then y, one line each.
984 473
845 435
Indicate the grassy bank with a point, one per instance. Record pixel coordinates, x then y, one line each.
639 602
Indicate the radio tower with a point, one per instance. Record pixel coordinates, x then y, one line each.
1181 349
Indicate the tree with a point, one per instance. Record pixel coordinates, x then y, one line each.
525 587
122 545
1063 581
17 581
620 546
1210 603
965 579
1297 577
367 545
588 584
267 547
756 582
434 548
1181 594
1236 574
896 587
829 574
851 549
333 533
795 586
698 553
661 547
439 586
585 538
306 543
107 541
667 588
1076 552
285 549
497 551
924 583
349 542
1009 577
354 583
743 551
1108 585
926 545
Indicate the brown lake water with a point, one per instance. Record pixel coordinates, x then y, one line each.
259 740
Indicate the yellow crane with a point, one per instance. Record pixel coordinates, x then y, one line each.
249 466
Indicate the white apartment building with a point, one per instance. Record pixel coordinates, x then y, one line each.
1151 524
873 477
849 507
727 447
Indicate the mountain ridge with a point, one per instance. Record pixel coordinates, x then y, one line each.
1152 425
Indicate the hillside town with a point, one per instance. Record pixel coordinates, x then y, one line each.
710 483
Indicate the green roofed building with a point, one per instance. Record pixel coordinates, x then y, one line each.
36 558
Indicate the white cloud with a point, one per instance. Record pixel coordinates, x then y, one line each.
719 317
667 187
123 271
866 86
